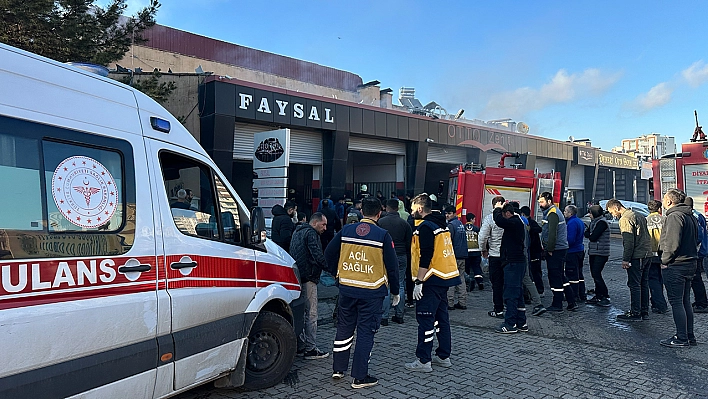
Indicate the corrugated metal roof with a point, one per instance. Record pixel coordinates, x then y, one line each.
189 44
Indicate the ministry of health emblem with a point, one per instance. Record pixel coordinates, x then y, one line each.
84 192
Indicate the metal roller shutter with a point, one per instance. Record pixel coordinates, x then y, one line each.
576 180
447 154
545 165
366 144
305 147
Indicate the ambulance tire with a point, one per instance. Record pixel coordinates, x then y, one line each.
271 351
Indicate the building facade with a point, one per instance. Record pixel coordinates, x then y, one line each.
345 133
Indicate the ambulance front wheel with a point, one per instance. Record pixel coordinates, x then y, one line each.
271 351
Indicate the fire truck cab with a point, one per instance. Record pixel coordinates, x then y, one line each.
472 188
687 171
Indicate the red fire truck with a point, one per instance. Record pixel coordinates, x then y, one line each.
687 171
472 187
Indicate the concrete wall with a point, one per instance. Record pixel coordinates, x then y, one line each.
148 59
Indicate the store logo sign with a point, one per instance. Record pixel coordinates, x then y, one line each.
296 108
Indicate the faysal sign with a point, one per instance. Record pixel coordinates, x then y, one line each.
283 108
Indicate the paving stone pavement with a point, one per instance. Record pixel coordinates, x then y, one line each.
582 354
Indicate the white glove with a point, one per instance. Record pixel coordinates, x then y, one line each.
395 299
418 292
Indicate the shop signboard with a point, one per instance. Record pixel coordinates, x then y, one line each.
271 158
584 156
612 160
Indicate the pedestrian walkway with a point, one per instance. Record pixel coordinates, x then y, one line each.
582 354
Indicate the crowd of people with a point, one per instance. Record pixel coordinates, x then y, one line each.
387 257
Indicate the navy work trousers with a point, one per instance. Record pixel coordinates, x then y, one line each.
432 316
515 314
364 315
638 283
556 278
677 278
573 265
496 277
473 268
656 286
597 264
537 273
699 289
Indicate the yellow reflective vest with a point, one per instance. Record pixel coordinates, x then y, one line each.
361 260
443 265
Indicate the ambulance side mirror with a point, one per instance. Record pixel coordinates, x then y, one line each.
258 231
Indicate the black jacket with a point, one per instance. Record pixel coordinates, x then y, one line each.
306 249
535 247
333 223
679 236
400 232
282 228
513 239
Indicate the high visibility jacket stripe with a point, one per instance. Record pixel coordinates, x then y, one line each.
363 242
363 284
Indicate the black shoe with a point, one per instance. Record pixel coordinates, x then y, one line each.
554 308
674 342
369 381
538 310
692 342
659 311
524 328
573 307
461 307
592 301
645 315
396 319
384 322
481 286
700 309
337 375
629 316
604 302
450 307
494 313
315 354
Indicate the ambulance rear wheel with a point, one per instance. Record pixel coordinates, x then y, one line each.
271 351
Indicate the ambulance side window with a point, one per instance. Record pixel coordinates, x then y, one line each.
190 193
65 193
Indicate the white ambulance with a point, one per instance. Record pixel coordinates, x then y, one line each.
130 268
